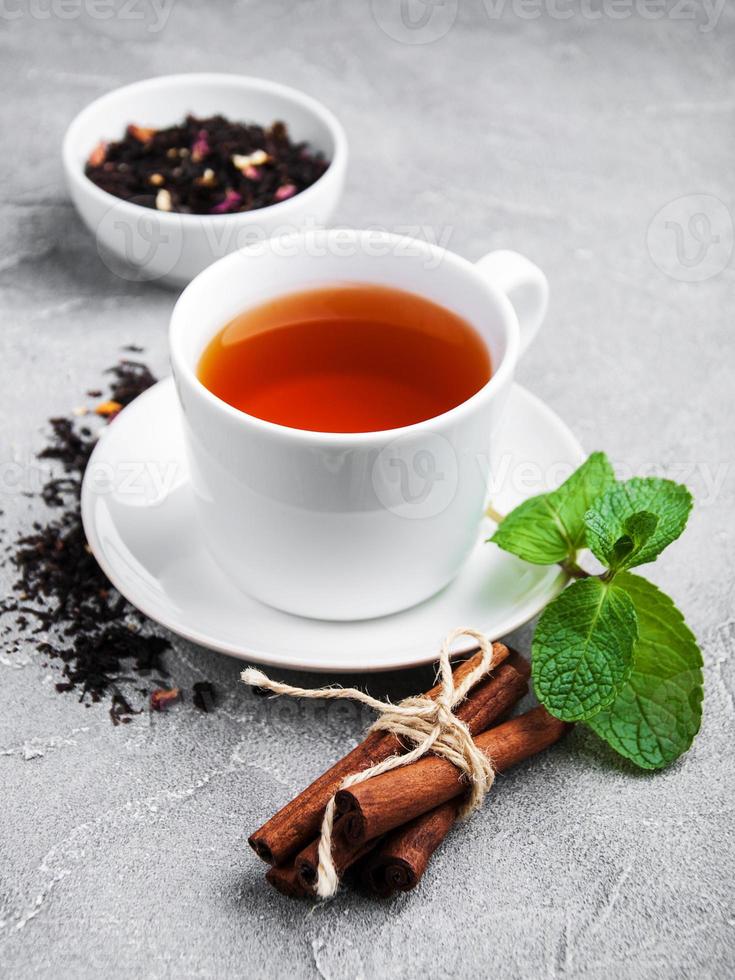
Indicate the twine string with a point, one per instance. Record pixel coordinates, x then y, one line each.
429 725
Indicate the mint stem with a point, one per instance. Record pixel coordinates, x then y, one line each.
493 514
573 569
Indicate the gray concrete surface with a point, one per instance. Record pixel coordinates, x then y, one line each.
122 849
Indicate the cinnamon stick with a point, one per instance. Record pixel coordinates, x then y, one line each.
490 700
345 853
400 859
385 802
286 881
286 833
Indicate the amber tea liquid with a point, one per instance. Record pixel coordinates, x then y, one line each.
346 358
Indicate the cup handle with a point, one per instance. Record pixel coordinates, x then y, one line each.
523 283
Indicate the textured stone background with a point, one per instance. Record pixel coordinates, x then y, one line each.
122 849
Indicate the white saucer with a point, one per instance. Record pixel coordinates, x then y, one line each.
138 515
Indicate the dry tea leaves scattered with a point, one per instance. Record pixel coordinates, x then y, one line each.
61 603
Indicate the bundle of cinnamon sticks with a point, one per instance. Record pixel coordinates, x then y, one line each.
389 826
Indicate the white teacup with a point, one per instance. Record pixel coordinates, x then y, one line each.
341 525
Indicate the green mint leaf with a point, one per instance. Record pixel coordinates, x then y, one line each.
638 528
583 649
534 532
608 518
550 528
574 497
657 713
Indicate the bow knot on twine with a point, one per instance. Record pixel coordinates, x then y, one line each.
430 725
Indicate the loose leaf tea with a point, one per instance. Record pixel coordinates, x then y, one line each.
61 601
205 166
612 650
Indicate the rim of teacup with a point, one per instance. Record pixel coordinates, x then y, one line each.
71 151
222 268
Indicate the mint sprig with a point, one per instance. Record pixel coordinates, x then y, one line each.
612 650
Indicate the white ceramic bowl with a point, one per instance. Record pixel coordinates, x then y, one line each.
144 244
